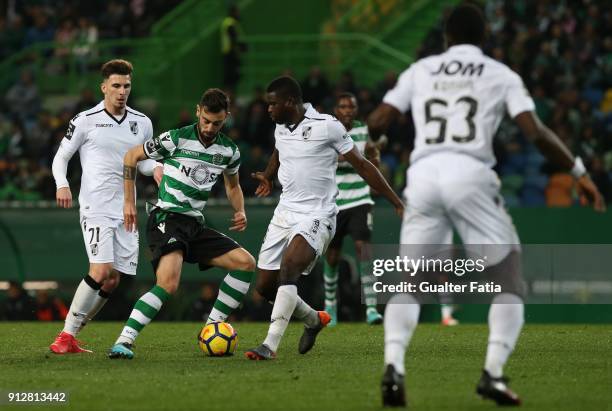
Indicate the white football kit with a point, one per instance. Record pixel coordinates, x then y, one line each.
308 155
458 99
102 141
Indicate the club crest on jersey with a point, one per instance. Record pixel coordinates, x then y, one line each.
134 127
94 249
217 159
306 132
70 131
200 174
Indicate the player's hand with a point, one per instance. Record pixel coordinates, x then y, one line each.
589 194
63 197
239 222
265 186
129 216
158 173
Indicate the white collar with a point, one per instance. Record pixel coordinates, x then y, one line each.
465 48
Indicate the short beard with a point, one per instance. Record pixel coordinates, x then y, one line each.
203 136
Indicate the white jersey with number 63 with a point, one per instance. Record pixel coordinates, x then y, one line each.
458 98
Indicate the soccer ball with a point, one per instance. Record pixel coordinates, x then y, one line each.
218 339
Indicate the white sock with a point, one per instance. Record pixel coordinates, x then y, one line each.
505 323
95 309
284 306
447 311
306 313
82 303
401 318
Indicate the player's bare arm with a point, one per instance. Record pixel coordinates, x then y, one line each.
380 120
372 176
266 177
556 152
236 199
372 153
130 161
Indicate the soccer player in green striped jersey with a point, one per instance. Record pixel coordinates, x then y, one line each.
194 158
355 214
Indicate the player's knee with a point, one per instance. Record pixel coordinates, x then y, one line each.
100 272
111 282
246 262
168 283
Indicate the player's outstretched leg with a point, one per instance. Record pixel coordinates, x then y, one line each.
232 290
330 279
84 301
297 258
401 318
506 317
284 306
144 311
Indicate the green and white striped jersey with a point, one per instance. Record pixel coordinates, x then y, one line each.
353 191
190 169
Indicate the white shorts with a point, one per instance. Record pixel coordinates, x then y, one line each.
450 190
317 231
107 241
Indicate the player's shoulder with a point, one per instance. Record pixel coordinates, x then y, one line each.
225 141
135 113
185 133
313 115
423 63
499 68
320 121
82 118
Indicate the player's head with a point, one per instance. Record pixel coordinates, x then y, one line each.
116 83
283 95
346 109
212 111
465 25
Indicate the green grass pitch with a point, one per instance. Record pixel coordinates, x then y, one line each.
555 367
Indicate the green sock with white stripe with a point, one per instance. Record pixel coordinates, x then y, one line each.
232 290
330 278
144 311
367 282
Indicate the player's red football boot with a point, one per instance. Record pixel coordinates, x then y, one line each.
66 344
